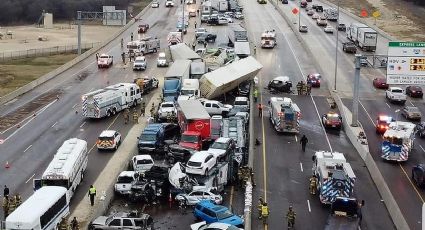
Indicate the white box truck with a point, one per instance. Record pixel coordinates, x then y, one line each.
352 31
367 39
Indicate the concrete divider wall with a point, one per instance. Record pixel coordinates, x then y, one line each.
352 133
26 88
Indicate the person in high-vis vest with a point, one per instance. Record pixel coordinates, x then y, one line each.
265 212
92 194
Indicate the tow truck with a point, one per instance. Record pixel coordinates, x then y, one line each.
382 123
398 141
335 176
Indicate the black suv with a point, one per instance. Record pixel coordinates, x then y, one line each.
418 175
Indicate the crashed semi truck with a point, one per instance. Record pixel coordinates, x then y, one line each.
227 78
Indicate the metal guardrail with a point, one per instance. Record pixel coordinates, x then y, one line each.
13 55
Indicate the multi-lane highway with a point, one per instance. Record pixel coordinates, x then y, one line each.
282 169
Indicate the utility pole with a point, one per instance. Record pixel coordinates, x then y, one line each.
183 25
79 31
356 86
299 15
336 48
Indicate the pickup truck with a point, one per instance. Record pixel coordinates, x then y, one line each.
349 47
123 220
396 94
216 108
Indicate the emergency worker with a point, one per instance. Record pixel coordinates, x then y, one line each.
304 88
12 204
255 95
290 215
63 225
92 194
143 109
265 212
75 224
259 206
123 57
126 115
135 117
5 206
313 185
260 110
18 199
308 88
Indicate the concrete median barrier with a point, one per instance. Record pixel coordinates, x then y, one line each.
26 88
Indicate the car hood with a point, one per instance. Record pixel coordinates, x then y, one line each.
168 109
101 220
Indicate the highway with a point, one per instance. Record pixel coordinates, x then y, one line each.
372 103
29 149
282 169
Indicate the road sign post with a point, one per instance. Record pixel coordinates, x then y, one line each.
406 63
356 87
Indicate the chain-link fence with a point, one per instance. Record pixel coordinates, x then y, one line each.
12 55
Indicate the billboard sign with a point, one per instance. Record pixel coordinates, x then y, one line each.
406 63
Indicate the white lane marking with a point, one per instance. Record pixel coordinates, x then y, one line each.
388 105
301 166
54 124
32 118
74 105
308 204
296 139
311 97
91 89
82 124
422 148
30 178
367 113
411 102
27 148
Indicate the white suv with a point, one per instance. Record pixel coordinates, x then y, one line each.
165 108
216 107
242 103
124 181
396 94
169 3
200 163
108 139
140 63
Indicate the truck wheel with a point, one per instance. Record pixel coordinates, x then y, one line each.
114 111
82 176
154 50
108 113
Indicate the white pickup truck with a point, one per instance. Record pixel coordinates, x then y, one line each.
395 94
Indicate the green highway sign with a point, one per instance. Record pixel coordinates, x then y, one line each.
407 44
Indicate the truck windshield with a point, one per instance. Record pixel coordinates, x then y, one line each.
189 139
62 183
164 105
148 137
187 92
241 103
397 91
124 180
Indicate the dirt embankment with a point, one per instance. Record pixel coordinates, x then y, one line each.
403 20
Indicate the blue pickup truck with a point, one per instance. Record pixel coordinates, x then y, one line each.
156 137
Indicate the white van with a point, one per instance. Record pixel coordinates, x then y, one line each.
242 104
162 60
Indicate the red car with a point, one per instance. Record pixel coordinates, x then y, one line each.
382 123
314 79
380 83
332 120
303 4
414 91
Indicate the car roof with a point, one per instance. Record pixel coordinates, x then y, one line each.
281 78
107 133
167 103
393 87
241 99
199 156
414 87
140 58
127 174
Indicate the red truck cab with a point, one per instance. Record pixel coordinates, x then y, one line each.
195 124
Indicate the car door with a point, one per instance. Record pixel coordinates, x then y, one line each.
209 162
208 108
216 109
117 138
115 224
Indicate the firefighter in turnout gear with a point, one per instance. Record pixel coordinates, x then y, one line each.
304 88
259 206
135 116
313 185
126 115
12 204
143 109
18 199
63 225
152 111
290 215
75 224
299 88
308 88
5 206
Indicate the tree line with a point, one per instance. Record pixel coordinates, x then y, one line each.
15 12
417 2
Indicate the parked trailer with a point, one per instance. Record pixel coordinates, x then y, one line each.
226 78
352 31
110 100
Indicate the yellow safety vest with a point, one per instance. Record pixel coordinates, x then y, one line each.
264 210
92 191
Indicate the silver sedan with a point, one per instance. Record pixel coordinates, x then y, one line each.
195 196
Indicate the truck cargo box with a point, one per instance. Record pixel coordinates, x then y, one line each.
226 78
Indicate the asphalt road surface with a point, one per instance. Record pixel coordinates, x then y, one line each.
282 169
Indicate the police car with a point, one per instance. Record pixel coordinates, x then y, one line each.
108 140
332 120
382 123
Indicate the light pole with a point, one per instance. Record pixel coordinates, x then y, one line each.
299 15
183 25
336 48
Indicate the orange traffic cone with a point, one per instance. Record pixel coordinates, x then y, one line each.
7 165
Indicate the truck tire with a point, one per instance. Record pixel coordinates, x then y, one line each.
114 111
154 50
108 113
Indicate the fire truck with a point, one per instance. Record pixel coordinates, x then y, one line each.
335 176
398 141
